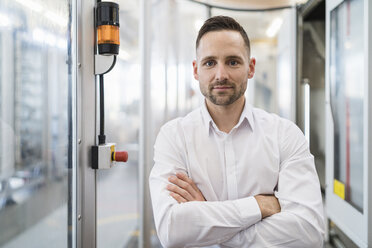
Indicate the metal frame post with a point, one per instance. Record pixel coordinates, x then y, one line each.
86 120
145 158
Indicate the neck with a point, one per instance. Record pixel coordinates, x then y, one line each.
226 117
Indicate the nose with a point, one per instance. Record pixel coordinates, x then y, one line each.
221 72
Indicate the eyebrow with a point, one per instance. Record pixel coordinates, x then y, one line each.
228 57
208 58
234 57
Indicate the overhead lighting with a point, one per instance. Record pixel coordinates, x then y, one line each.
50 39
15 182
38 35
31 5
274 27
57 19
4 20
47 38
53 17
348 45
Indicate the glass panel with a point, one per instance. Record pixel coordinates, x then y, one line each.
35 100
174 91
117 188
347 98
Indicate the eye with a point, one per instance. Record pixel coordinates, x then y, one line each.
210 63
233 62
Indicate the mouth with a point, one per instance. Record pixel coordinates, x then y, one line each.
222 87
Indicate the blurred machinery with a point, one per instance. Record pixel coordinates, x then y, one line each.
348 117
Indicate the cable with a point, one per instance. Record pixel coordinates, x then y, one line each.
101 136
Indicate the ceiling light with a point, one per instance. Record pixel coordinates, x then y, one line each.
348 45
31 5
4 20
274 27
57 19
38 35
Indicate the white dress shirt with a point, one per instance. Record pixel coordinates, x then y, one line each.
262 154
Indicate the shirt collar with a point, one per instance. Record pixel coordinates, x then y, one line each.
246 114
207 119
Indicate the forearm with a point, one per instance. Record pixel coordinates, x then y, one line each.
203 223
284 229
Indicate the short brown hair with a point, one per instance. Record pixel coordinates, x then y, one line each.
217 23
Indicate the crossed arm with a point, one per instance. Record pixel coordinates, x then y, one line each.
183 189
184 219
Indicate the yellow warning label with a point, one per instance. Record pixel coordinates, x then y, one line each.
339 189
112 152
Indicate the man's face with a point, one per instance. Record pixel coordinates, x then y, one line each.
222 66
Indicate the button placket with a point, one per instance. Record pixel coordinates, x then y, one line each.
230 169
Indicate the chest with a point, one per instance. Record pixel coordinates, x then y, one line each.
239 165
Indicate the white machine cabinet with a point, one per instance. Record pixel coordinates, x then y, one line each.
348 118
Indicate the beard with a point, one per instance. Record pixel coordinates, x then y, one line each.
224 98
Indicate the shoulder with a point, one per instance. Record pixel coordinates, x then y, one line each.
268 122
177 128
271 120
172 135
179 124
286 134
277 128
261 116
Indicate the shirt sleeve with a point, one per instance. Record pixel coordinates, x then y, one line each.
192 224
300 222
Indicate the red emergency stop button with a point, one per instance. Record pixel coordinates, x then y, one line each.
121 156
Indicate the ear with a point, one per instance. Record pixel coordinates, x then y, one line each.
252 66
195 66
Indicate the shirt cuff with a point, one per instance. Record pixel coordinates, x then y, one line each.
249 211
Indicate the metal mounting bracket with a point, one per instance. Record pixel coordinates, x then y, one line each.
103 63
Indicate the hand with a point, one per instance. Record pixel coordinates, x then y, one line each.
268 204
184 189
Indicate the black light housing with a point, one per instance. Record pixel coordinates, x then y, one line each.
107 23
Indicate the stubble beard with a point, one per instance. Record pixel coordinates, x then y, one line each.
223 99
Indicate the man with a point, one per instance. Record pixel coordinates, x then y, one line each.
229 174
